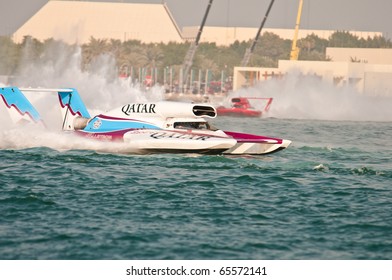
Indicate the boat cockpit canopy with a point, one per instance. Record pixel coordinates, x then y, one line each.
190 124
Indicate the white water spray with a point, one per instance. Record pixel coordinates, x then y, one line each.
100 89
308 97
295 96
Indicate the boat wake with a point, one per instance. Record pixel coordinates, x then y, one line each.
19 138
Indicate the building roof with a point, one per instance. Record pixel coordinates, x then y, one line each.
76 21
226 36
364 55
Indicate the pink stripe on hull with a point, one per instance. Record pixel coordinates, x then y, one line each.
111 136
244 137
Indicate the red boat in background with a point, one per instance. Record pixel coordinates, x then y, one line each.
241 107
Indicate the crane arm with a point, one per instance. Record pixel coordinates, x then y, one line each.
294 49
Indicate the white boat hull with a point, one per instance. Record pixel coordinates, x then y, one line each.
152 141
257 148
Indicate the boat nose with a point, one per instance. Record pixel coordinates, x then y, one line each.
285 143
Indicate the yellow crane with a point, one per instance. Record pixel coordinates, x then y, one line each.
294 49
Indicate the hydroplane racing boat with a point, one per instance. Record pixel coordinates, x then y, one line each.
241 107
158 127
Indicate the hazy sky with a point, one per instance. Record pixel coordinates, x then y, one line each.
358 15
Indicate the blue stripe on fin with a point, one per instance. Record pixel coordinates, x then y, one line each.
13 97
74 102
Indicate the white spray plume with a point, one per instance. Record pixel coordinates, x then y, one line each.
100 87
297 96
60 67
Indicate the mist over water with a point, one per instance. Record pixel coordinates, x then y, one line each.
294 97
308 97
100 89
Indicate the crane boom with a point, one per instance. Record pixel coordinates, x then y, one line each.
249 51
294 49
192 49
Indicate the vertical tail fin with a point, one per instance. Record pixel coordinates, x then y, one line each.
72 107
19 107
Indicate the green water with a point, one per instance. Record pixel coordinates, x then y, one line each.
328 196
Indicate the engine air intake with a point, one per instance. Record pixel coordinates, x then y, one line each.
203 111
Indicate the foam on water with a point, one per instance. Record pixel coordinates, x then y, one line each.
31 136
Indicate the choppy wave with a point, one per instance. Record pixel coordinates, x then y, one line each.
292 205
